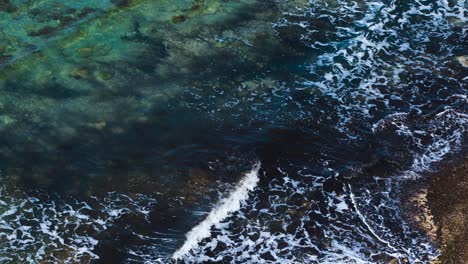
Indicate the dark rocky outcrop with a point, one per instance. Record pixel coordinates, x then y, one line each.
448 201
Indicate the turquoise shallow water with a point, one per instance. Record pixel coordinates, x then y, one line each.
128 129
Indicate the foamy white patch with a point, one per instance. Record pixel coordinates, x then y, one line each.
227 206
445 130
374 52
59 230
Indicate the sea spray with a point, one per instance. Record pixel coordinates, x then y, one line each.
225 207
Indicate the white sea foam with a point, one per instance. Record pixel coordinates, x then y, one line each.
228 205
353 221
445 130
371 50
59 231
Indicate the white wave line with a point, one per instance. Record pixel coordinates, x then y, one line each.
224 209
363 219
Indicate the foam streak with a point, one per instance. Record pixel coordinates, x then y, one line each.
363 219
226 206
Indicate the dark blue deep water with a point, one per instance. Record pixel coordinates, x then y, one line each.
234 131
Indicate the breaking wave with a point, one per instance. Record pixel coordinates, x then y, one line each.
228 205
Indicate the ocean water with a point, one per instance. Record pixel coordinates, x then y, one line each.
234 131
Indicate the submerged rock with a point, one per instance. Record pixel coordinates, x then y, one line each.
86 52
121 3
179 19
47 30
104 75
80 73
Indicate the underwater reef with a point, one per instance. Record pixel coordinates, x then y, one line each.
74 70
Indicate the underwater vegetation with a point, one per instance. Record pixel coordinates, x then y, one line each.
70 70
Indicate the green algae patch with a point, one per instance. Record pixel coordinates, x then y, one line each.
111 67
70 51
